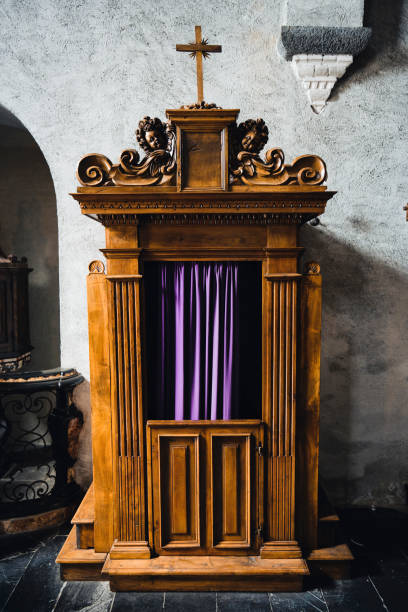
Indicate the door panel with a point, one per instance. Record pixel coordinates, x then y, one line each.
231 491
179 490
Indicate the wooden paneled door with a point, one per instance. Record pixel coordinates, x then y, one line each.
205 483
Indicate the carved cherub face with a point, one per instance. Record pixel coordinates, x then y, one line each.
253 135
151 135
155 139
250 142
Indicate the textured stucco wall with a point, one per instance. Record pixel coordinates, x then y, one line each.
80 75
332 13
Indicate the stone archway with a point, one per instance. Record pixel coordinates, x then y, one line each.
29 227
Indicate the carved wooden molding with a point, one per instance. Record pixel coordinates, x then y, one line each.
205 205
312 267
246 166
205 219
201 106
158 167
305 170
96 267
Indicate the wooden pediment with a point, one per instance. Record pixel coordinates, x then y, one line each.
202 162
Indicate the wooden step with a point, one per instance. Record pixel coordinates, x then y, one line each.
83 521
79 564
329 525
205 573
332 561
329 531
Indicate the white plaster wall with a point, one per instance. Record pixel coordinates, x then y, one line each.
333 13
79 75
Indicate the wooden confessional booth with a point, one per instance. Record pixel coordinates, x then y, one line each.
204 335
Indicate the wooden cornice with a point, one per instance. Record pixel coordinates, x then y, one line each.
215 253
170 192
298 204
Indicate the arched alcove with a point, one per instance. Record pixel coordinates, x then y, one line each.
29 227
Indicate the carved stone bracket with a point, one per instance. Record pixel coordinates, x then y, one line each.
318 75
321 39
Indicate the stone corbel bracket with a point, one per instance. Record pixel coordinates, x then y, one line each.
318 74
320 55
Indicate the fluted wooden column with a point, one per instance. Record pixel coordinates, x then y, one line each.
130 530
280 322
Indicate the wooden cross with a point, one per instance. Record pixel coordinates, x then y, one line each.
199 49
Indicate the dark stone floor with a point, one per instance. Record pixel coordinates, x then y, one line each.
29 579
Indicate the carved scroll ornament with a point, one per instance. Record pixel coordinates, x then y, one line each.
248 139
158 167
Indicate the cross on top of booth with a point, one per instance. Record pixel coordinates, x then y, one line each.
198 50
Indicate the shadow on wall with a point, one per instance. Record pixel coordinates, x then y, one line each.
384 50
28 227
364 447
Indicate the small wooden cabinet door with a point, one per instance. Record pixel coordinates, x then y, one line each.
205 483
231 479
176 494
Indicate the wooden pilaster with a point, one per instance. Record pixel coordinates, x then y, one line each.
127 403
101 409
280 321
307 450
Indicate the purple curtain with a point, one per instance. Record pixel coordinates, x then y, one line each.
198 353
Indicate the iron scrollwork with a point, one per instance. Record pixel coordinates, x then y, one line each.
36 449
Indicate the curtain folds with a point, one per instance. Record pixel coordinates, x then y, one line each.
198 315
203 326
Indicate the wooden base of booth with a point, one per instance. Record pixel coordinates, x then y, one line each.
79 561
204 573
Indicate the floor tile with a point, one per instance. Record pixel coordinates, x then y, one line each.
393 592
40 584
138 602
391 579
11 570
356 595
307 601
12 545
190 602
243 602
89 596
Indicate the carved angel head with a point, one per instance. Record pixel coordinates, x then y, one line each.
252 135
152 134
